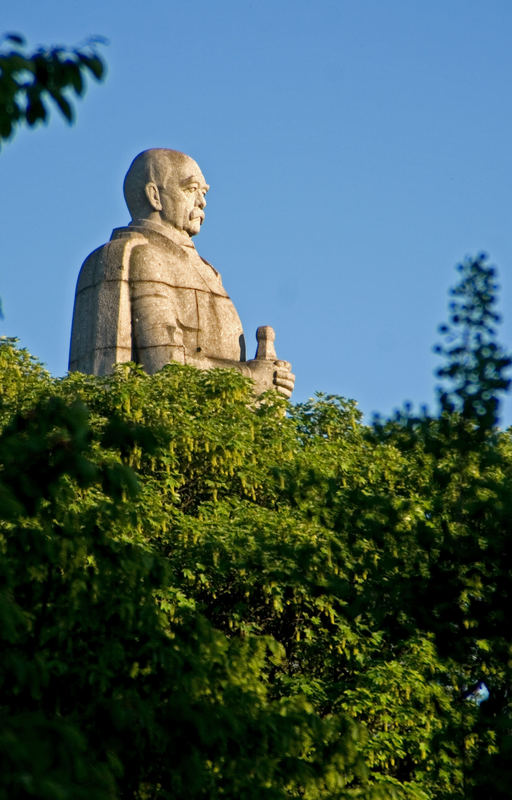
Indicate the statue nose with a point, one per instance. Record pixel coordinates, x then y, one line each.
200 200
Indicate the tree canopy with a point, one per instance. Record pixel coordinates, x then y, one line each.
204 597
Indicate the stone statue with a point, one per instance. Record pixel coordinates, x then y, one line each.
147 295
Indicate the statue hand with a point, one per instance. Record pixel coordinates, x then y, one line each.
266 370
284 379
268 374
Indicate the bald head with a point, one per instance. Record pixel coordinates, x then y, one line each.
166 186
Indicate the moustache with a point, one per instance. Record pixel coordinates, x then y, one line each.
197 214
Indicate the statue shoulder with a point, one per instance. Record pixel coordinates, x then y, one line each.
110 261
215 271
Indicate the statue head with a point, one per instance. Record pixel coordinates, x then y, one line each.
168 187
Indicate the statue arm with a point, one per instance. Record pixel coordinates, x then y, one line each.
265 374
265 370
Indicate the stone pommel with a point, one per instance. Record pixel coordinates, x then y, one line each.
265 336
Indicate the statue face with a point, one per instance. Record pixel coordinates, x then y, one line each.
183 197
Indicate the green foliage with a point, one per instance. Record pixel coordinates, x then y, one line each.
96 634
29 80
200 598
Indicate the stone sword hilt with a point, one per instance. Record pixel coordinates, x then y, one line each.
265 336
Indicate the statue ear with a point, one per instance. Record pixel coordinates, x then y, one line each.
153 195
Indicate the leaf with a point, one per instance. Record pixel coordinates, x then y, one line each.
94 64
64 106
35 111
75 78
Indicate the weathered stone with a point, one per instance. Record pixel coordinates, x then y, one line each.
147 295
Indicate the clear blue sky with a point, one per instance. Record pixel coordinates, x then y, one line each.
356 150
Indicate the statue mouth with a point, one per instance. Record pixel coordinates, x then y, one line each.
197 215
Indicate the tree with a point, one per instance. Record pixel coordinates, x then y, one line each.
250 604
96 634
29 80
